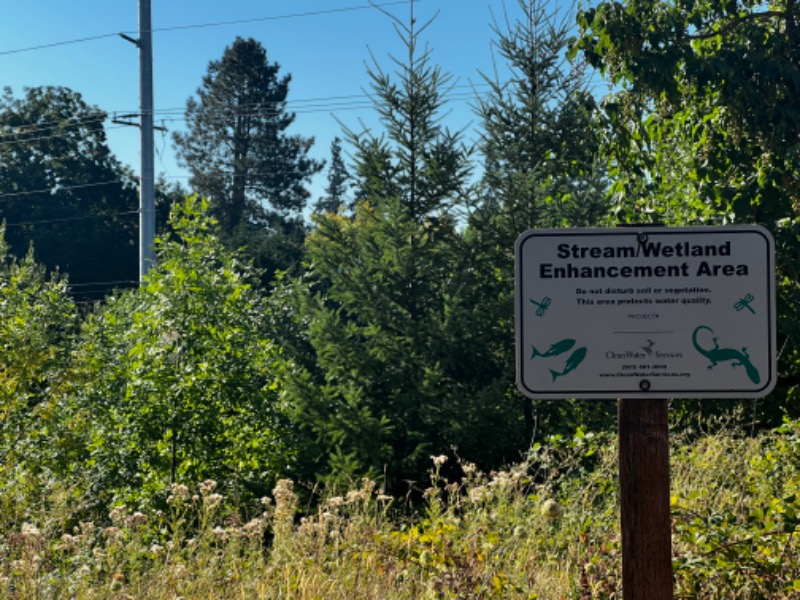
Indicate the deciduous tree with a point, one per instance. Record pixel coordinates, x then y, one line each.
62 189
175 381
704 124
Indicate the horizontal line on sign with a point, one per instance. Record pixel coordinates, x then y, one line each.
647 331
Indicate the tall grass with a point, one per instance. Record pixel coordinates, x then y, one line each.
546 528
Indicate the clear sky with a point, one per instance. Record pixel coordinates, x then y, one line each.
324 44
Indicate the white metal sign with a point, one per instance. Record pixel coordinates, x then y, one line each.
646 312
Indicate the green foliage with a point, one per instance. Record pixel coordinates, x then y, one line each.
63 190
736 529
541 134
389 364
703 126
541 149
416 161
545 528
174 381
394 372
339 182
715 81
37 324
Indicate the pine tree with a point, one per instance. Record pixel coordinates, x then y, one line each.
242 157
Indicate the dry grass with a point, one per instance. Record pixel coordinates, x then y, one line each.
545 529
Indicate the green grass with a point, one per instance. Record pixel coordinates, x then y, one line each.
547 528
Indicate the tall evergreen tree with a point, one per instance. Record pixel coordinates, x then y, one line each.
540 143
541 131
240 153
62 190
394 373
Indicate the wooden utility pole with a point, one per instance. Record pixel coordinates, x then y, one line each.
644 499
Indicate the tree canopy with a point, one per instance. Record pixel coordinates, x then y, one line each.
62 190
705 126
242 157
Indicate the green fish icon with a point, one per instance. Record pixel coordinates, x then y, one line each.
572 363
555 349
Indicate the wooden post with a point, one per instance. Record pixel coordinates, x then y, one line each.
644 499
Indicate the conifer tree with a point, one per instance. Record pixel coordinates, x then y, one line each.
540 146
338 182
394 375
242 157
541 133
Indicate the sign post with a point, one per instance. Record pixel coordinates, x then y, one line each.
645 519
644 315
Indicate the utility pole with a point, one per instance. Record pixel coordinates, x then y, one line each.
147 193
147 184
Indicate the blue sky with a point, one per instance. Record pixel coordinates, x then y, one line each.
323 44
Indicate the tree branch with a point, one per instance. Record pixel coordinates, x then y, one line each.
770 14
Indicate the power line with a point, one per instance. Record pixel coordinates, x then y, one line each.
300 106
173 116
67 219
105 283
56 44
62 188
55 136
97 117
280 17
203 26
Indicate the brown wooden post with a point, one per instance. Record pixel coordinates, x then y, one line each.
644 499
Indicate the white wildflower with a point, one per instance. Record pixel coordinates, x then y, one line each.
438 461
550 509
212 501
208 487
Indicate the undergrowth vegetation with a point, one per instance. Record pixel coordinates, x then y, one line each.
545 528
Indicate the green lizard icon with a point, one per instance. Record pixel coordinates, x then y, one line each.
717 355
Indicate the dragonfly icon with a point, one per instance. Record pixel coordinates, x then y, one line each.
745 303
542 306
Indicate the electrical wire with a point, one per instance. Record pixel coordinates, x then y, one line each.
203 26
105 283
48 137
301 106
63 188
67 219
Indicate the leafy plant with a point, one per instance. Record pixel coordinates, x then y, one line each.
175 381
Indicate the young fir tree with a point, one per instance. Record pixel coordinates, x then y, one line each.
540 146
241 155
541 134
393 375
338 182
